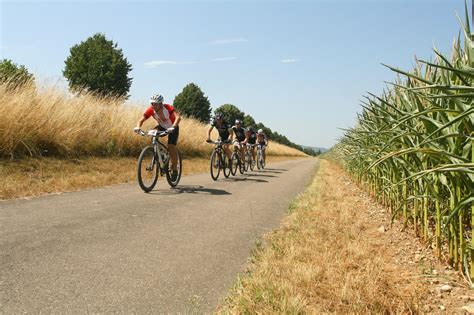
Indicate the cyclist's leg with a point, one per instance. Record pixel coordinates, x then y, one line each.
254 153
172 142
227 151
264 152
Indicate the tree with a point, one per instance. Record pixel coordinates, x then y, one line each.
98 66
191 102
14 76
249 121
230 112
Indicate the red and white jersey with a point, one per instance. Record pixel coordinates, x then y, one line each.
165 117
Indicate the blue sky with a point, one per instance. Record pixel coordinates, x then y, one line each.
300 67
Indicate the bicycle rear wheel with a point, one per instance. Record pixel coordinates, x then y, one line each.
215 165
169 173
147 171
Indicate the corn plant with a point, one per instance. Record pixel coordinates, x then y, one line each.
412 148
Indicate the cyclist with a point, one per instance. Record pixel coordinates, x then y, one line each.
262 141
224 130
251 138
239 133
168 119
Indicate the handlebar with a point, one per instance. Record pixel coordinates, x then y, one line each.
218 142
153 133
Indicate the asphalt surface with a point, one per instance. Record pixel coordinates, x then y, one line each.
117 249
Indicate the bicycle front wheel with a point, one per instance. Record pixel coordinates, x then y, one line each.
173 181
147 171
234 164
215 165
252 162
226 166
259 159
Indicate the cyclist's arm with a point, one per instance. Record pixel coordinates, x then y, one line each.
209 132
141 121
177 119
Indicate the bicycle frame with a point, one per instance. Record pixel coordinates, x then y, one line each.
154 134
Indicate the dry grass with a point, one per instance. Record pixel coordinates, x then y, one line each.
52 123
34 177
326 257
38 176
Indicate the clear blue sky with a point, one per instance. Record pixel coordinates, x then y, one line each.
300 67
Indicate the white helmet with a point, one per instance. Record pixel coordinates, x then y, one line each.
260 131
157 98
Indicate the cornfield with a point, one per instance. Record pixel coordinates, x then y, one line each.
412 148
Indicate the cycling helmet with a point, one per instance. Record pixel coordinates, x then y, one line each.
249 129
237 122
260 131
219 116
157 98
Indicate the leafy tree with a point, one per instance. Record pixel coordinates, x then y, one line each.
14 76
249 121
98 66
191 102
230 112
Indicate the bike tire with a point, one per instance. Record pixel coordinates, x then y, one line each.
226 167
142 169
170 171
235 164
259 162
215 165
242 168
252 162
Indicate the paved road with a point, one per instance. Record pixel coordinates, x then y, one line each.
117 249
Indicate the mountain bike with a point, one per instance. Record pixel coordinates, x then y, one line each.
155 160
260 159
249 161
219 160
236 160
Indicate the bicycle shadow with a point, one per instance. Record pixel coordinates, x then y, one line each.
191 189
273 170
260 175
246 179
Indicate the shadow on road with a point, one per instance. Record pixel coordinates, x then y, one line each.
191 189
246 179
260 175
274 170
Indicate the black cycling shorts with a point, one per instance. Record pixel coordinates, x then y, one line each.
172 137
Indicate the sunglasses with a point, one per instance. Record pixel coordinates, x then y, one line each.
157 103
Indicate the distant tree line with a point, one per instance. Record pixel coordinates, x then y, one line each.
98 66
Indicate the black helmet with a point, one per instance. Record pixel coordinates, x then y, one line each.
219 116
249 129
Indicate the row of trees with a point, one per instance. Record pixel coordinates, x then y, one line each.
192 102
98 66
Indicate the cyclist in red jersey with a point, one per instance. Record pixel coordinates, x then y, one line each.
168 119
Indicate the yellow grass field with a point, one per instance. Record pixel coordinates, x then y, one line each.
327 257
53 123
53 142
